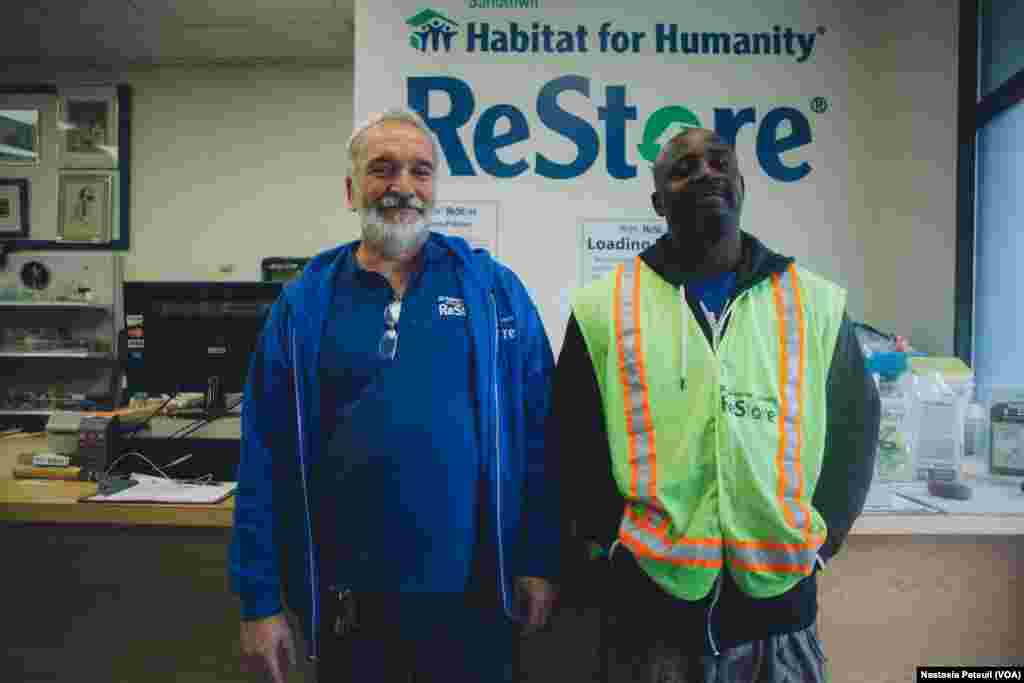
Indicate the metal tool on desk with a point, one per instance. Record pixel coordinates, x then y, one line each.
950 489
108 485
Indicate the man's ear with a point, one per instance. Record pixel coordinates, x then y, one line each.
656 203
349 194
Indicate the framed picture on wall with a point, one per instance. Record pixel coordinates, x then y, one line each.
85 207
88 123
13 207
19 136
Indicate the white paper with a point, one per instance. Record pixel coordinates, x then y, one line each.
151 489
605 243
476 222
938 445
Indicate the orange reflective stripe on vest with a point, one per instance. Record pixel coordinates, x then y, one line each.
644 526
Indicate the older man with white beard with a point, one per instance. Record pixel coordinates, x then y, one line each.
393 431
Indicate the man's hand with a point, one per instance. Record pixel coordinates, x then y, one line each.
538 597
267 647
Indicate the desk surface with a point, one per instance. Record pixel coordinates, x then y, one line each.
45 501
48 501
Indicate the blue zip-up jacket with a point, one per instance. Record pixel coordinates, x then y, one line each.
273 550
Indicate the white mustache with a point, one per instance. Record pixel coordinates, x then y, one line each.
395 200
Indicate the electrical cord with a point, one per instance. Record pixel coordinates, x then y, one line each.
181 433
190 429
149 462
203 479
156 412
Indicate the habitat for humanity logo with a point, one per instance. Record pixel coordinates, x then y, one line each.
434 31
431 30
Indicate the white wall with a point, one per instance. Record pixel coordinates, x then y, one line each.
232 164
903 138
229 163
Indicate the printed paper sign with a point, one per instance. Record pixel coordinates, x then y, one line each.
606 243
476 222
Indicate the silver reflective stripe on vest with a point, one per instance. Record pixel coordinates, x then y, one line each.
632 373
646 539
795 558
644 526
787 300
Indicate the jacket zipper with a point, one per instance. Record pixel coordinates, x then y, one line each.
314 602
716 328
717 325
711 609
497 452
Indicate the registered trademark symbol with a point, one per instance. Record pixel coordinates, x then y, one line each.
821 30
819 105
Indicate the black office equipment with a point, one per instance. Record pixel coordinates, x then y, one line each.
194 336
950 489
282 268
98 444
215 449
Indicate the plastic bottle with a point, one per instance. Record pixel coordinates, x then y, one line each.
976 432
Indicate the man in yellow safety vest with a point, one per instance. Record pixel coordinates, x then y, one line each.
716 429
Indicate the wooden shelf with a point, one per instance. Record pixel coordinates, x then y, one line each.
30 413
74 355
55 305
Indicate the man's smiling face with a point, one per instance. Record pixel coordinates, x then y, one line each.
698 188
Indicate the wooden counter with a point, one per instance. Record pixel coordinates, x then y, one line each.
140 593
57 502
46 501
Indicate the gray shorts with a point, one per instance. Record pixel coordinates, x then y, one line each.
787 658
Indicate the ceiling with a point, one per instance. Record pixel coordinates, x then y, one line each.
122 32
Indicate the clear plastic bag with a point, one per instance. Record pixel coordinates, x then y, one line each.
897 433
941 406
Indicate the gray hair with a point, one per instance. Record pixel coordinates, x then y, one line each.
357 141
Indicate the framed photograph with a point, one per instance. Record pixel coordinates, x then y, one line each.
19 136
13 207
85 207
88 122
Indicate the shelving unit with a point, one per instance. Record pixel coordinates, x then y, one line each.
37 382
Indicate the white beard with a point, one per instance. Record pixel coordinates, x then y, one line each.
392 240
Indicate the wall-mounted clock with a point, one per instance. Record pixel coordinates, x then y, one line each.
35 275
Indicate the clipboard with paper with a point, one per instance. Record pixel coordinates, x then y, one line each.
150 489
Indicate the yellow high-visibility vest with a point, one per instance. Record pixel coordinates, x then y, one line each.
716 447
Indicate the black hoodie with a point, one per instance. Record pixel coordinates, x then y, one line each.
593 505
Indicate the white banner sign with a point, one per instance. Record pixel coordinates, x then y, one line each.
557 110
